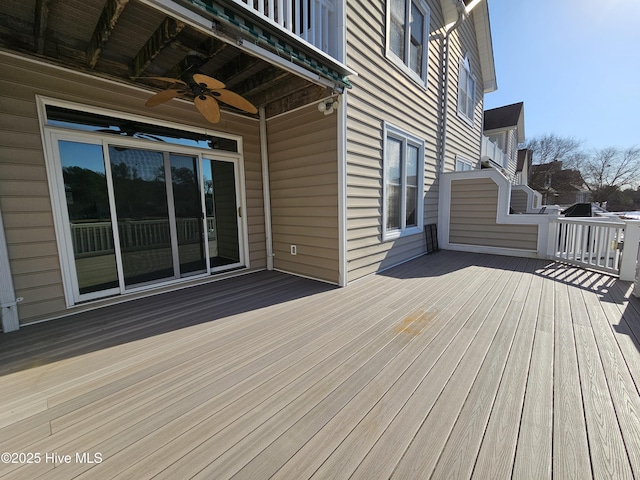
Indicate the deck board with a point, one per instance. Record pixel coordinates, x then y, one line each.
451 365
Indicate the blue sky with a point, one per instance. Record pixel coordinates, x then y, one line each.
574 63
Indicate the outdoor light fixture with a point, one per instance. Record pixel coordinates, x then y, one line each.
328 105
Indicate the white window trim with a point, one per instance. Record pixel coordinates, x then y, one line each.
50 135
397 61
464 160
465 65
389 130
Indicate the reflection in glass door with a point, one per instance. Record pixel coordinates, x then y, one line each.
137 217
221 209
87 199
188 214
139 187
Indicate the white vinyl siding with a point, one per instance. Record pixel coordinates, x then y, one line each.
403 167
407 36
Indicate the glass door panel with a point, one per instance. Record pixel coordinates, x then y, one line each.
188 214
221 211
139 186
85 189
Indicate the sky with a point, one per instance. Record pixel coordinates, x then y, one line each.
574 63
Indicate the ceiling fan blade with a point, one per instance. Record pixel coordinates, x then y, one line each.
208 107
163 96
235 100
209 82
164 79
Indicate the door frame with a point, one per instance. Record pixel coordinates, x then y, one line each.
52 134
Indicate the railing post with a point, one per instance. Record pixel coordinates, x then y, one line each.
630 251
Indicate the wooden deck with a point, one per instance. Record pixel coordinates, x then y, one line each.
454 365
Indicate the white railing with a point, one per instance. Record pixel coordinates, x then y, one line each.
587 242
311 20
96 238
494 152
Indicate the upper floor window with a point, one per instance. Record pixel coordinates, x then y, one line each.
403 183
466 91
407 30
463 164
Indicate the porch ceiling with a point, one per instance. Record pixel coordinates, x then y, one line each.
127 40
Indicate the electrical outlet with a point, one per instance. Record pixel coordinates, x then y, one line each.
294 250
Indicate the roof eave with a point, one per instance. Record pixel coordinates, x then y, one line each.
482 25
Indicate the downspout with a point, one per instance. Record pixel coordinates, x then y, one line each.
8 300
266 191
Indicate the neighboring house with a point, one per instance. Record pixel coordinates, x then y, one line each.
362 106
558 186
503 131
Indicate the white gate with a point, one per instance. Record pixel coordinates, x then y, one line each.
590 243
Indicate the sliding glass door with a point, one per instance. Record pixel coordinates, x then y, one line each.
137 217
222 213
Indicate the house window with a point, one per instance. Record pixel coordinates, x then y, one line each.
466 91
403 183
407 29
462 164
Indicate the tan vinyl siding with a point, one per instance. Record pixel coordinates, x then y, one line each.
24 192
519 201
384 93
462 138
303 176
474 205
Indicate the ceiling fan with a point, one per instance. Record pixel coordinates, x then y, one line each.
206 91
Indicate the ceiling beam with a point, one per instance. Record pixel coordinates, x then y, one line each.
235 67
262 81
310 94
40 24
281 90
164 34
106 24
208 49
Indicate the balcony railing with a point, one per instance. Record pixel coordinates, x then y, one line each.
315 21
493 152
96 238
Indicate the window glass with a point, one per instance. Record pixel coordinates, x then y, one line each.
466 91
411 185
140 193
408 21
415 46
85 189
396 29
394 185
403 167
92 122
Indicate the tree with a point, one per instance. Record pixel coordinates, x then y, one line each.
553 148
609 169
605 171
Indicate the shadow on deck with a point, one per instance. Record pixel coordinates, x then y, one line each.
108 326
